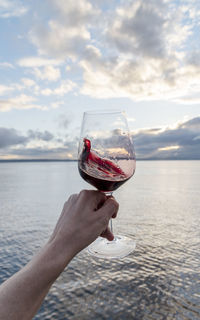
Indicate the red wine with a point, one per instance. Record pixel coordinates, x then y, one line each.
102 184
102 173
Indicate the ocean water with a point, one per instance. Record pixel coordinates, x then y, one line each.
159 207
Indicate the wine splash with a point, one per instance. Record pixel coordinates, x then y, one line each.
102 173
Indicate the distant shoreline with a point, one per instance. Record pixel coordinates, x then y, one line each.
37 160
74 160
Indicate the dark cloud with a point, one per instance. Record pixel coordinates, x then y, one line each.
194 58
38 135
181 142
61 148
192 124
11 137
142 30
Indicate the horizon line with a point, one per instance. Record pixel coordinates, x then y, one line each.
76 160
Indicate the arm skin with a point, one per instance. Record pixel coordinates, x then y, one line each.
84 217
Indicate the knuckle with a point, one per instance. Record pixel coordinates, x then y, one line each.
71 198
84 193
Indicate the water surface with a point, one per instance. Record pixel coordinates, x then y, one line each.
159 207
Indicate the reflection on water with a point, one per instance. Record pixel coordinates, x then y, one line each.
159 207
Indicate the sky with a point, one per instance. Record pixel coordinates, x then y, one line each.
60 58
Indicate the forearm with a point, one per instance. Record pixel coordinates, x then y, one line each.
80 223
22 294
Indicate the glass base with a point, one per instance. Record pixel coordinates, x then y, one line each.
120 247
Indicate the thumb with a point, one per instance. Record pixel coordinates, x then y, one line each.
107 234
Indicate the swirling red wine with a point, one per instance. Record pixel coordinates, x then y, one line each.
102 173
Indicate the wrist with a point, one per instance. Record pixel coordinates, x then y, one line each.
50 261
59 254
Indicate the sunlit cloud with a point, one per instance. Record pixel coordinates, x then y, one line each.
21 102
61 90
149 61
168 148
189 100
117 151
28 82
49 73
179 141
138 51
67 34
31 62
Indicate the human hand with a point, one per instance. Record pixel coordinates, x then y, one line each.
84 217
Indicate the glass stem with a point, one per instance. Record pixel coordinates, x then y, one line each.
109 194
111 225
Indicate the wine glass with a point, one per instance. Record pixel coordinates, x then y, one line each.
106 159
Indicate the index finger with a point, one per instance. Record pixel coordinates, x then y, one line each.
92 199
109 208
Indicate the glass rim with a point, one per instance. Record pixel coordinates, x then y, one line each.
104 111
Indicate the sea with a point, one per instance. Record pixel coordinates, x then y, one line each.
159 207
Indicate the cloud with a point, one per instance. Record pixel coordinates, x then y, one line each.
59 41
139 29
142 50
31 62
38 135
148 28
194 58
178 142
49 73
188 100
65 87
146 56
56 153
56 104
5 89
10 137
12 8
67 34
6 65
35 144
28 82
21 102
146 79
76 13
63 121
